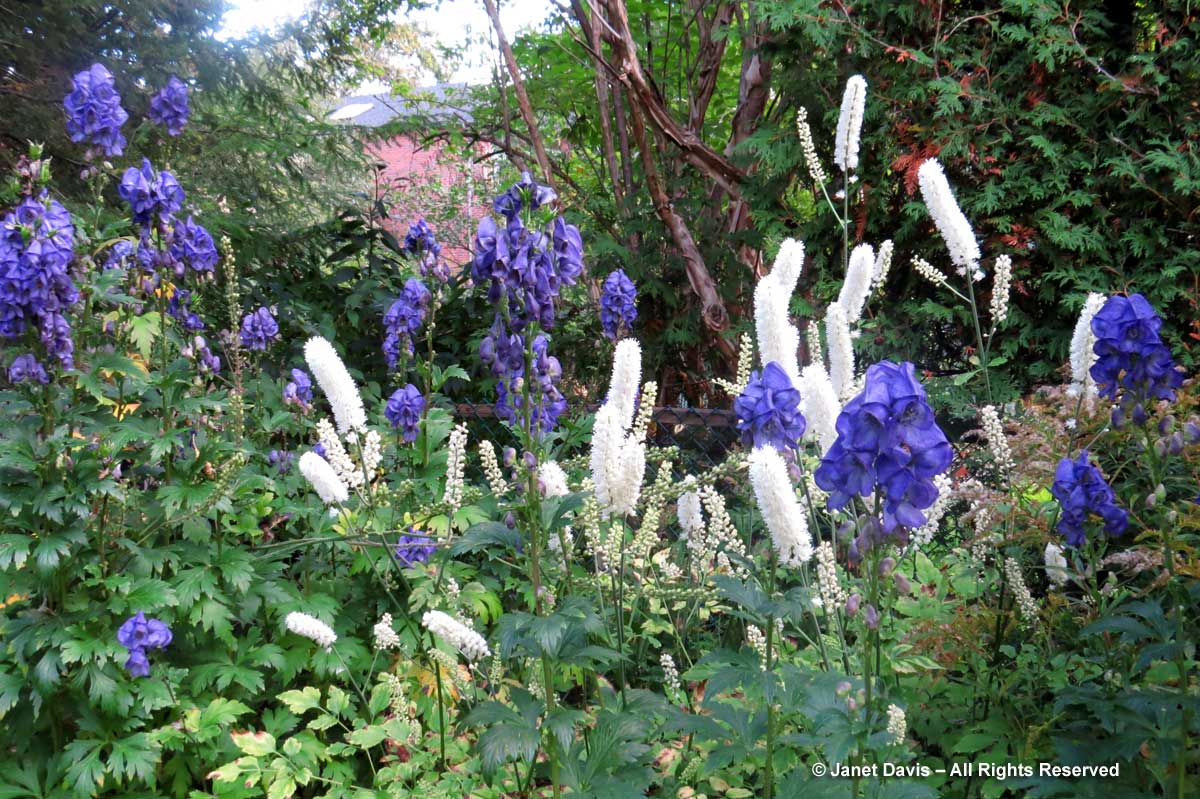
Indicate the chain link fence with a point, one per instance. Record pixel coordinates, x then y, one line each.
702 436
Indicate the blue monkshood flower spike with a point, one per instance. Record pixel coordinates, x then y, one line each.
403 319
299 390
169 107
259 329
768 410
618 304
150 192
413 548
137 635
94 111
1133 365
404 409
888 441
1081 490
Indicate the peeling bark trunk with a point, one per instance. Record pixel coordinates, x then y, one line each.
523 103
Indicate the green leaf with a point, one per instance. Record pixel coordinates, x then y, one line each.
256 744
143 330
367 736
281 788
307 698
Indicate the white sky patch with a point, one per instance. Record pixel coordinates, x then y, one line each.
350 111
452 23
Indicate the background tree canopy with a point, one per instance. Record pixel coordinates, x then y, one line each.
1067 131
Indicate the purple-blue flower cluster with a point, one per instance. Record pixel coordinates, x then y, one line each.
169 107
403 319
618 304
281 459
404 409
137 635
94 111
523 268
1132 362
422 245
26 369
150 192
298 391
1081 489
888 441
259 329
36 247
198 348
414 547
179 307
192 244
768 410
504 353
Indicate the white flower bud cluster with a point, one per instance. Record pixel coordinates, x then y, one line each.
936 512
449 669
1056 566
383 635
929 271
1001 288
815 170
491 468
833 596
708 548
1027 609
819 402
335 453
645 411
312 628
655 503
456 450
459 635
897 724
670 674
812 335
744 366
993 429
758 642
618 456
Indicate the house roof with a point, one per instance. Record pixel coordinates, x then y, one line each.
442 102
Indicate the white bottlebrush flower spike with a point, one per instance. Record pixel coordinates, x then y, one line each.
383 635
691 517
928 271
819 402
323 478
897 724
993 428
883 265
456 461
337 384
856 287
783 515
849 127
1027 608
841 350
1001 287
934 515
311 628
778 338
1056 565
337 456
1083 343
951 223
618 456
554 479
626 378
460 636
815 170
491 468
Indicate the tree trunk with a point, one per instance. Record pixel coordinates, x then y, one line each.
523 103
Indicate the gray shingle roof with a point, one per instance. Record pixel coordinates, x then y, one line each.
444 102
